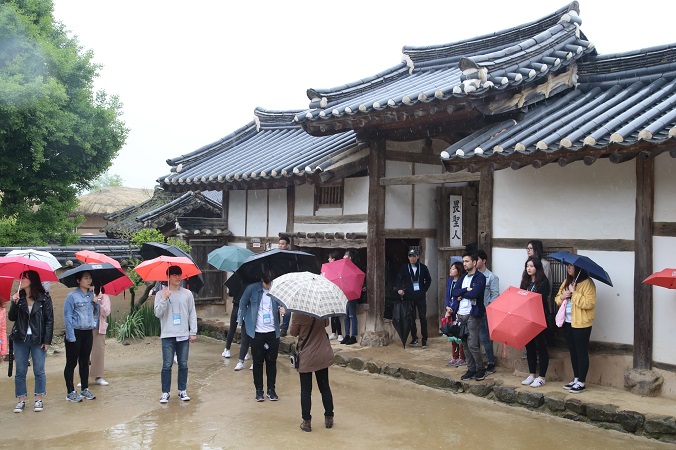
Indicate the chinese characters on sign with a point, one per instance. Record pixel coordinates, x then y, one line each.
456 220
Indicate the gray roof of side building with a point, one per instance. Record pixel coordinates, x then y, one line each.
475 67
270 148
621 100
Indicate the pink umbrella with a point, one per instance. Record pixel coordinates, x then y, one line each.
14 266
664 278
348 277
516 317
5 288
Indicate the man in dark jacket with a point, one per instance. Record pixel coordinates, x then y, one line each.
413 282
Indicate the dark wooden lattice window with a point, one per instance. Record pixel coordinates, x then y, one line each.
558 268
330 196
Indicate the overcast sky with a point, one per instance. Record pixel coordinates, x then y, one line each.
189 73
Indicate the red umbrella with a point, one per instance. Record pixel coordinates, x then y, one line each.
348 277
156 269
5 290
115 287
14 266
516 317
664 278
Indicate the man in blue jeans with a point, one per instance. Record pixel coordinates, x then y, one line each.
175 307
491 293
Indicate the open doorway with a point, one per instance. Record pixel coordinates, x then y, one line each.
396 255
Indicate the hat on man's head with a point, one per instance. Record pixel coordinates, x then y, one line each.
413 252
174 270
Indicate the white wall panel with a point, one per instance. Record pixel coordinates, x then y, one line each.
425 198
305 198
278 211
356 194
664 303
237 212
257 213
665 189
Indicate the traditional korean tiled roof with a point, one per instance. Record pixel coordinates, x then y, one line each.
622 100
269 151
162 209
469 69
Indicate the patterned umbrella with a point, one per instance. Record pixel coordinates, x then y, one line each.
309 293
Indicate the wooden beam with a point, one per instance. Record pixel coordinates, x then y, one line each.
375 257
665 229
393 155
408 233
431 179
643 263
601 245
347 218
485 228
338 243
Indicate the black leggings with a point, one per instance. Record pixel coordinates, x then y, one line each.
336 328
77 354
578 346
306 393
537 348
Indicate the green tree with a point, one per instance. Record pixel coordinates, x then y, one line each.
106 180
56 133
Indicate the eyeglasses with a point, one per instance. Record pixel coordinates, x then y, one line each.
529 248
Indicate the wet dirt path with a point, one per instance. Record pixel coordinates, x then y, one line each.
371 412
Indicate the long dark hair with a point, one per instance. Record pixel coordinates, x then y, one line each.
539 272
99 290
538 249
459 267
36 288
580 275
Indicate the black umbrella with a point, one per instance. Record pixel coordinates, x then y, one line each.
401 319
102 273
280 261
150 250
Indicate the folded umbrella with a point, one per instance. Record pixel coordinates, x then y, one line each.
151 250
515 317
156 269
38 255
102 274
595 271
665 278
401 319
228 258
309 293
114 287
348 277
14 266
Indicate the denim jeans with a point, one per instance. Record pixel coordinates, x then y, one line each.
181 349
486 342
351 318
21 352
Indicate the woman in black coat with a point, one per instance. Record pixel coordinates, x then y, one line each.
534 280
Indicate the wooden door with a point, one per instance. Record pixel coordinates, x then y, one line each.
213 291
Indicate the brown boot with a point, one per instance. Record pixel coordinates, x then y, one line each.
328 421
306 425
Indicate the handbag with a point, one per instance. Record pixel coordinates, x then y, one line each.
561 314
459 329
294 358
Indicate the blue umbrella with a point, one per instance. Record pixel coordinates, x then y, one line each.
584 263
228 258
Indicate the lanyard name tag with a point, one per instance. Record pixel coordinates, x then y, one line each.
416 286
177 319
29 331
267 319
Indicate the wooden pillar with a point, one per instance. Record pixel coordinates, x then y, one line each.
375 239
485 228
290 209
643 263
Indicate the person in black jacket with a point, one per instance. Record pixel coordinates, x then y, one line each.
412 283
33 316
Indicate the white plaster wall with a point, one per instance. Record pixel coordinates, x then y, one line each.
425 198
257 213
305 200
614 313
236 213
664 303
431 261
398 198
573 202
360 227
356 196
665 189
278 211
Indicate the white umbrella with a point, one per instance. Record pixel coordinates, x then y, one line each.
309 293
38 255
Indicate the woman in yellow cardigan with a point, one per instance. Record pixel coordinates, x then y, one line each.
579 292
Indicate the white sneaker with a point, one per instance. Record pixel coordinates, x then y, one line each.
79 385
251 367
101 382
226 353
247 357
340 337
175 360
528 380
183 396
539 381
164 398
239 366
333 336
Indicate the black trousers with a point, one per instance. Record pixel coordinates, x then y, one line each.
336 328
261 355
578 346
537 349
77 354
233 326
421 306
322 377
